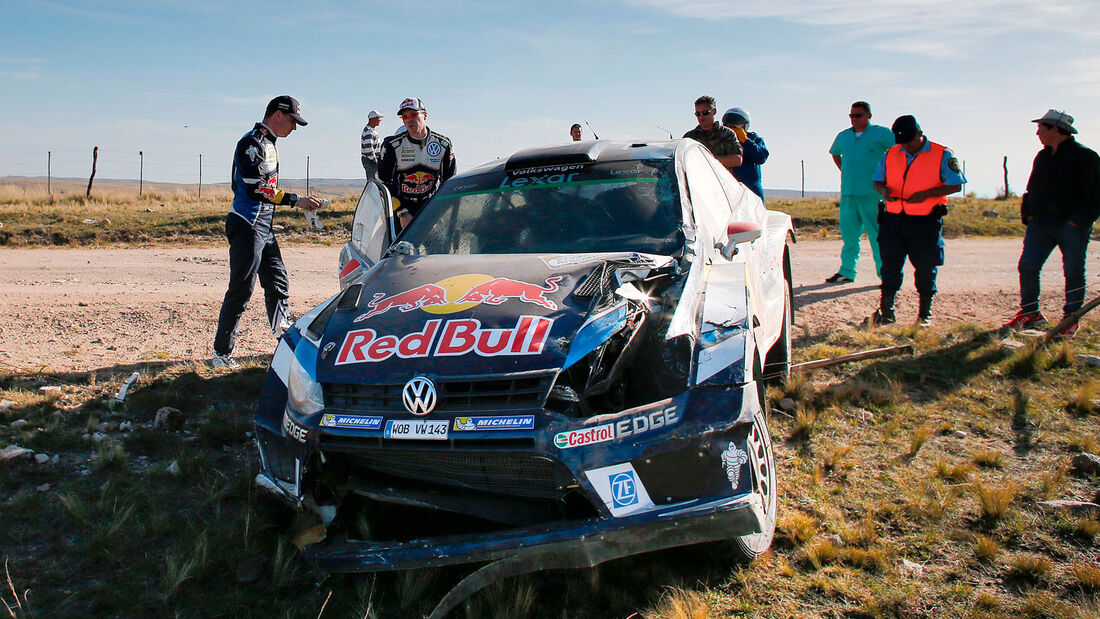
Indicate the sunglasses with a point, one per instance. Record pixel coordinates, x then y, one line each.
1047 126
860 115
706 113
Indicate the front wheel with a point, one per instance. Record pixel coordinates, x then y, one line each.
762 463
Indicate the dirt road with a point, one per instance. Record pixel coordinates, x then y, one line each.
85 309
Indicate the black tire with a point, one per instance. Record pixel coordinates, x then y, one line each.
762 464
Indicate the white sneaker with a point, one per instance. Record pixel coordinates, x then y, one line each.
281 328
224 361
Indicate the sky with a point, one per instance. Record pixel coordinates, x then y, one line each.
178 79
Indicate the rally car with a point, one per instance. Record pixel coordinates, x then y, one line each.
559 362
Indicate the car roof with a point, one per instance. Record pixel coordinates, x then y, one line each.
579 152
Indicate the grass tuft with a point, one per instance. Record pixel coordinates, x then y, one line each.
184 564
804 420
1084 399
1029 567
111 457
957 472
993 501
1086 576
821 554
797 528
986 549
988 458
918 438
677 603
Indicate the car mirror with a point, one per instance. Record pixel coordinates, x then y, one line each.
739 232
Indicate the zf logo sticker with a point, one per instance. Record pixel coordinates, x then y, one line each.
624 492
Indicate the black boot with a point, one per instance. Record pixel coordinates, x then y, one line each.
884 315
924 314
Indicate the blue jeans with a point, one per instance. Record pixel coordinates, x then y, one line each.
1040 239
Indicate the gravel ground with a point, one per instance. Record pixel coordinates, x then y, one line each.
87 309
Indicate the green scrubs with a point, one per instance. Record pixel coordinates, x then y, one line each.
859 157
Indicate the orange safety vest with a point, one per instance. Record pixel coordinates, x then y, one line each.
904 178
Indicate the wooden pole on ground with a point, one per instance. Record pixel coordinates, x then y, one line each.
141 169
49 169
1053 332
95 158
856 356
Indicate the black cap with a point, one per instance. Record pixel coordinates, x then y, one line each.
288 104
905 128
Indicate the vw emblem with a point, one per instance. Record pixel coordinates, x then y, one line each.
419 396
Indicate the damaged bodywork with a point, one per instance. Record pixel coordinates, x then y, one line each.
558 363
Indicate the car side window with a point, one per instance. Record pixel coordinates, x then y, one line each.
708 197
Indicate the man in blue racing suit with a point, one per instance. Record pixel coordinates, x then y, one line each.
415 162
253 248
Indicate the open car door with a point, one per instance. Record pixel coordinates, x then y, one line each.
372 232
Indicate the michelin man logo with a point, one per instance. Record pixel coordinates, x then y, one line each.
464 423
253 154
733 458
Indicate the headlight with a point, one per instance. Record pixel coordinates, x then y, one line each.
303 393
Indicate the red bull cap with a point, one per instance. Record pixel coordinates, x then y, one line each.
412 103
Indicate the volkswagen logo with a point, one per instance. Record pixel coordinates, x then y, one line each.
419 396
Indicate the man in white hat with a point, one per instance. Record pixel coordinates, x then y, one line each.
372 145
1061 203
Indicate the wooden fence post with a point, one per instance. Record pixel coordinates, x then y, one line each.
95 158
49 168
1006 176
141 169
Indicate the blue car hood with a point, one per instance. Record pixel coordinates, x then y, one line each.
449 316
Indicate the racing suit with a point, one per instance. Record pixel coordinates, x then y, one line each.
253 248
413 169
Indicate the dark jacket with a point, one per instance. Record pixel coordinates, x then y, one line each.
754 155
255 178
1064 185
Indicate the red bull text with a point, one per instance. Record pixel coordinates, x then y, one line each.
447 339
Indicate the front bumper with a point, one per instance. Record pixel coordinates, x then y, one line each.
559 545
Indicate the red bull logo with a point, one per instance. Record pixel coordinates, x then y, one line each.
415 298
467 291
417 182
500 289
447 339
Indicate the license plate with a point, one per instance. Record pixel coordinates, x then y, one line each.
421 430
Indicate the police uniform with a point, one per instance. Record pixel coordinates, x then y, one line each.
413 169
914 230
253 248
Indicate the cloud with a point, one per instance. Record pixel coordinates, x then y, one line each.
906 23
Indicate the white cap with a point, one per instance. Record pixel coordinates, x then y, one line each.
373 114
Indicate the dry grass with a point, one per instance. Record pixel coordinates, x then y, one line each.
918 438
1085 576
1028 567
993 501
986 549
676 603
988 458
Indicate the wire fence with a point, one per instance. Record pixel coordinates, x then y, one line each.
806 176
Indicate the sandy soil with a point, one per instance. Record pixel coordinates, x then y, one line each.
87 309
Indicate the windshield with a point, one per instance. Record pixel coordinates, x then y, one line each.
568 208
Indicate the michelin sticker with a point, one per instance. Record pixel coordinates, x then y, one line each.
514 422
630 426
732 459
356 422
620 489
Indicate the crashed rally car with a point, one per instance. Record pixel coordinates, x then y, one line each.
559 362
